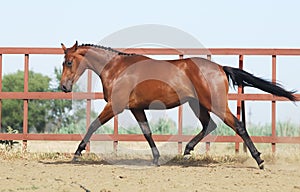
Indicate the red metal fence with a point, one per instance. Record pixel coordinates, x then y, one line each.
240 97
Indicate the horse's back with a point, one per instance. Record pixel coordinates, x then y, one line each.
171 82
151 80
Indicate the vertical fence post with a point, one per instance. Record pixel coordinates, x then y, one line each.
243 112
274 104
207 145
116 133
25 102
0 91
244 119
88 106
239 101
180 109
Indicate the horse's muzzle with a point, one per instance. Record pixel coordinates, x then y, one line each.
66 87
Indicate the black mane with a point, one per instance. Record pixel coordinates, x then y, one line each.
107 49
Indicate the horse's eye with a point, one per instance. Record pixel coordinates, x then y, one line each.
69 63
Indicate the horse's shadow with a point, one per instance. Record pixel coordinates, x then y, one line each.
70 162
178 161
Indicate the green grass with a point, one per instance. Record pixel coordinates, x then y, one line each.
168 126
282 129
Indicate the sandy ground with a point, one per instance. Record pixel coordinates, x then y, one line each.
24 175
129 173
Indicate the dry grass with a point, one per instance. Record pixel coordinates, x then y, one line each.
11 155
207 159
15 155
218 155
195 160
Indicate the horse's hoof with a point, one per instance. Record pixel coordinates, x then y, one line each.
187 156
155 164
261 165
75 159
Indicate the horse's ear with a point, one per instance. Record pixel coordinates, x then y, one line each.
75 46
64 48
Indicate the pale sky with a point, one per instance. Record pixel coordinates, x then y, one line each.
215 23
240 24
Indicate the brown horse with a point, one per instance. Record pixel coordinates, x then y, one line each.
137 83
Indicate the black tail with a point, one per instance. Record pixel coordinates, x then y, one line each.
243 78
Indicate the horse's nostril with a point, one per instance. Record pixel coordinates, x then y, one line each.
64 88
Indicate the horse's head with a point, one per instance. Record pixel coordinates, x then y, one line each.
72 69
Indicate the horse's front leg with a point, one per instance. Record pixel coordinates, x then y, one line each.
140 116
104 116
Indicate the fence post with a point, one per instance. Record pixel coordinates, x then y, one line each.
274 104
180 109
243 112
0 91
239 101
88 106
25 101
207 145
116 133
244 119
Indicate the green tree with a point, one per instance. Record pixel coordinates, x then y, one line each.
43 115
12 110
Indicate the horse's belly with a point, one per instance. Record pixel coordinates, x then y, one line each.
157 95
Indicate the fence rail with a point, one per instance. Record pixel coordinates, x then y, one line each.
240 97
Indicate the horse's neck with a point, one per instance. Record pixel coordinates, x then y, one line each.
97 61
109 70
108 74
102 62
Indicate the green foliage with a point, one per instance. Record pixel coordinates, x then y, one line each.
223 129
189 130
68 116
73 128
105 129
9 143
168 126
12 110
10 130
15 82
59 108
130 130
282 129
43 115
164 126
259 130
287 129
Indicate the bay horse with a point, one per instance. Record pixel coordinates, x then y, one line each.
137 83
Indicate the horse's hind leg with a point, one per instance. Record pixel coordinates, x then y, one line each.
207 123
240 129
144 125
